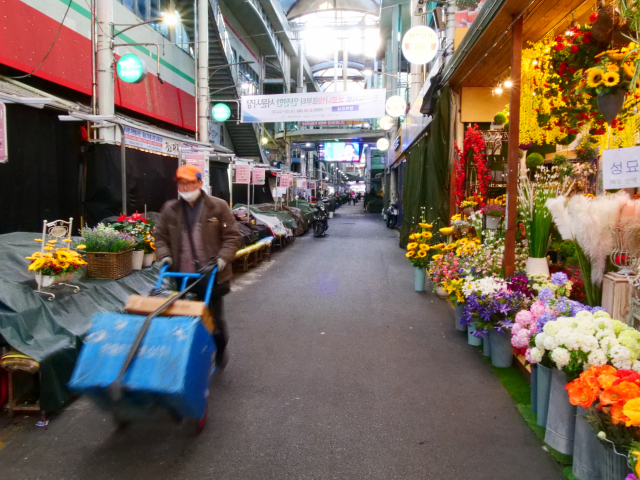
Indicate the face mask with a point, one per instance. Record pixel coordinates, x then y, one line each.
190 196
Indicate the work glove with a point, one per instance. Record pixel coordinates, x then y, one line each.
221 264
168 261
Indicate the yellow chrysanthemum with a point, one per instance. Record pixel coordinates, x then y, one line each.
412 246
425 225
49 249
412 237
425 247
37 265
611 79
446 231
81 247
422 254
410 254
427 235
457 216
67 240
595 77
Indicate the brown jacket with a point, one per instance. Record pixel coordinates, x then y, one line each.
220 233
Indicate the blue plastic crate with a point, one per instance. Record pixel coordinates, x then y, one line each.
171 370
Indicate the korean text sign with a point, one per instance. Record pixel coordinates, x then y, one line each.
316 106
257 176
621 168
243 174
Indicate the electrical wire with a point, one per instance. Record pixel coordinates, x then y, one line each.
52 44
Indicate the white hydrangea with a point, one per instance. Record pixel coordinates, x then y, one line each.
584 315
601 314
561 357
597 358
540 338
550 342
551 328
536 355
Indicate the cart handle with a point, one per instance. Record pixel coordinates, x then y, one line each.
164 272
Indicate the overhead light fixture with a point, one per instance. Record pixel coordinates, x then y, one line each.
498 90
169 18
508 84
265 140
367 72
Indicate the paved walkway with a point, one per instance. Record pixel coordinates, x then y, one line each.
338 370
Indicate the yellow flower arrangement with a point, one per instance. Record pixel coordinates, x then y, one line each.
612 67
424 247
422 254
63 261
611 79
412 246
427 235
595 77
628 70
425 225
410 254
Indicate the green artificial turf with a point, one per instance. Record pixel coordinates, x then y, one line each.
519 390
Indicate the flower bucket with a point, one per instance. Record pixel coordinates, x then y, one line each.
501 351
534 388
611 104
459 311
612 465
137 257
441 292
148 260
330 214
492 223
543 386
537 266
475 341
486 346
587 449
419 275
561 419
45 281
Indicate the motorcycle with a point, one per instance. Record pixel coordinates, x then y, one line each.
320 219
392 216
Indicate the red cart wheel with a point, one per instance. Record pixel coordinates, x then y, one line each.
203 421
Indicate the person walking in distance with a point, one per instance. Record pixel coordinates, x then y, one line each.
195 231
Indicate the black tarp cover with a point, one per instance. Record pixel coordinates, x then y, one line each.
47 331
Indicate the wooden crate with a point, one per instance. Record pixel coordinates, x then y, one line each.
616 295
140 305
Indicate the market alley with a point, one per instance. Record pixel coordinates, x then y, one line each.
338 369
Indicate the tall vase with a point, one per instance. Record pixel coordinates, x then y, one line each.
419 275
611 104
471 339
561 419
587 449
148 260
612 465
543 378
486 345
537 266
137 257
501 350
459 312
534 388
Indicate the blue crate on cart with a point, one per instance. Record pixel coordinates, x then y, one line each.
171 369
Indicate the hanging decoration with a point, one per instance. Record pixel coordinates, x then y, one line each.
473 141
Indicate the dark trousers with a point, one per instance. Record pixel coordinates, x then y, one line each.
216 307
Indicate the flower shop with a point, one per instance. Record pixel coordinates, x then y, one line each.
540 255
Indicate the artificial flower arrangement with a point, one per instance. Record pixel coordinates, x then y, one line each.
55 262
138 227
106 240
473 142
448 271
418 246
494 210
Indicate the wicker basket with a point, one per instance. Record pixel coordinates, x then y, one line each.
109 266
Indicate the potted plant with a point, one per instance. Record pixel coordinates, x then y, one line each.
493 214
499 120
141 229
108 251
56 265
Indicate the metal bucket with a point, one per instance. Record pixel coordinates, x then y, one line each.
474 341
561 419
612 465
419 275
459 311
501 351
486 346
534 388
543 380
587 449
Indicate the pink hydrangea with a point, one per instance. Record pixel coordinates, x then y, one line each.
537 309
521 340
524 317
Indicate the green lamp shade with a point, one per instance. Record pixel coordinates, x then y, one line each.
220 112
131 69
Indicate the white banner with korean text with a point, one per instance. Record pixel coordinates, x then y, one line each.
315 106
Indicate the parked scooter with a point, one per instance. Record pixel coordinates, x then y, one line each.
392 215
320 219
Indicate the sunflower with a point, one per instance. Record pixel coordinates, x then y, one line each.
437 246
629 70
422 254
446 231
612 67
67 240
594 77
412 246
425 225
37 239
427 235
425 247
51 242
49 249
437 257
37 264
63 256
63 264
410 254
617 55
81 247
611 79
412 237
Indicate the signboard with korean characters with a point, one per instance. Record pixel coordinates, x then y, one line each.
243 174
312 184
420 45
257 176
621 168
285 180
301 183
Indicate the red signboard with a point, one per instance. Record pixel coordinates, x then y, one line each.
243 174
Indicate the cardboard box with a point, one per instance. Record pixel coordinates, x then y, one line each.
140 305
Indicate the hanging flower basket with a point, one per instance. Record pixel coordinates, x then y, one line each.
611 104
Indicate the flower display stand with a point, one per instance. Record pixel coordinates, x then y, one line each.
57 230
419 275
561 419
501 351
587 449
543 387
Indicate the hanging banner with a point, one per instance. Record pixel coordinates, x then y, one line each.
243 174
333 106
301 183
420 45
312 184
4 153
621 168
285 180
257 176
